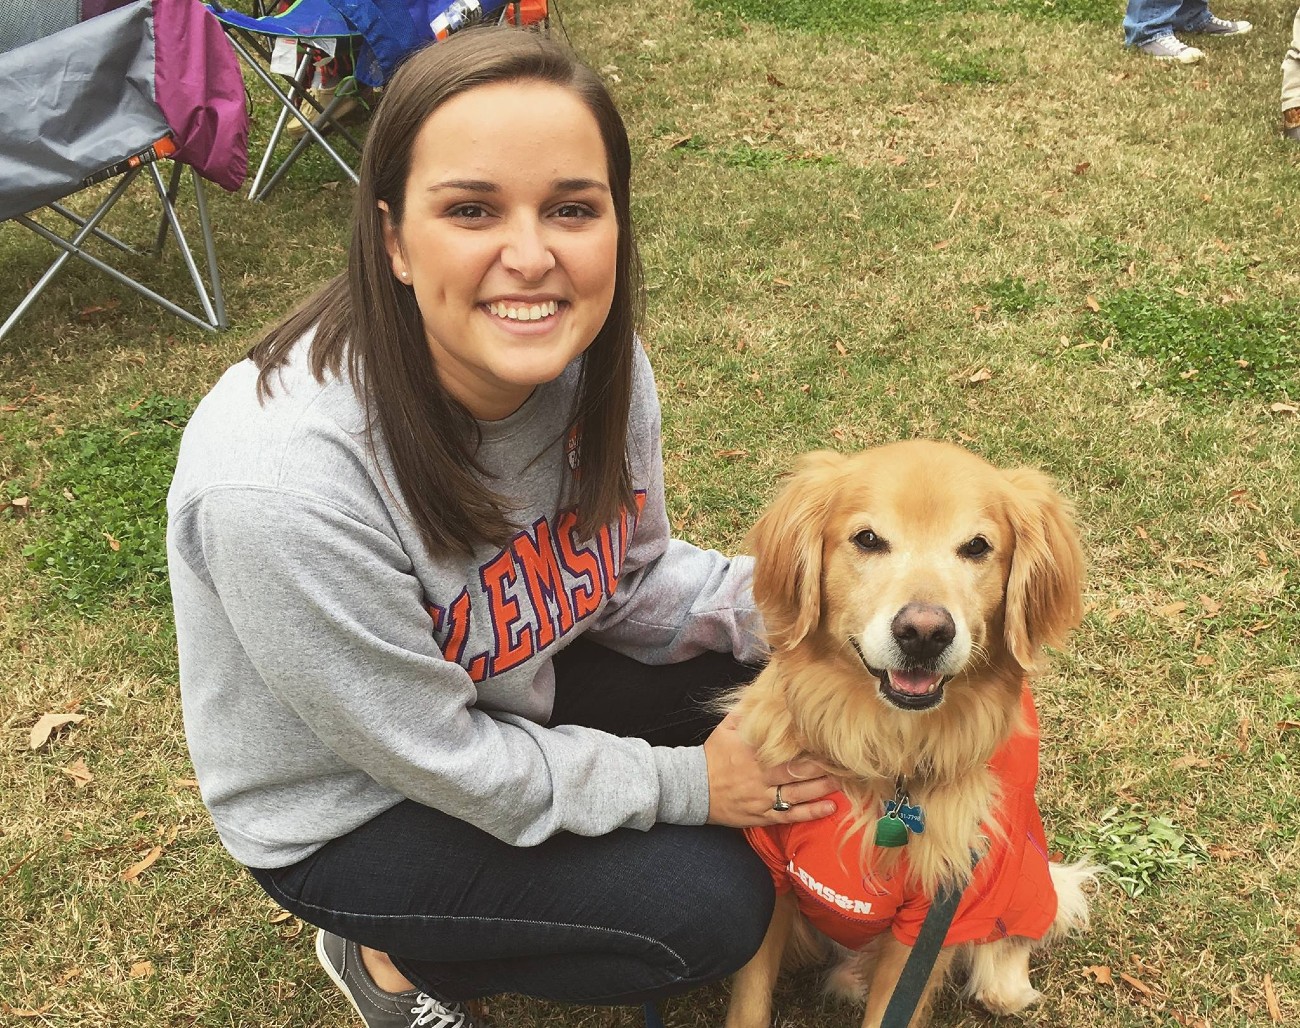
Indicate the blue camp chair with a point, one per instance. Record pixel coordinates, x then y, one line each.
99 90
378 34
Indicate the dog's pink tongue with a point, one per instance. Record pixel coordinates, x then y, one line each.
915 683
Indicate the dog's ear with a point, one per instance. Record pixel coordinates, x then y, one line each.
1045 590
787 547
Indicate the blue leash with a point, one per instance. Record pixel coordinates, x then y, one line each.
652 1018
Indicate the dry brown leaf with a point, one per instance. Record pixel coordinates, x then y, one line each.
278 917
841 349
136 869
942 245
79 773
27 1011
1204 660
1287 726
1100 973
1270 997
142 969
1082 167
1190 761
1142 533
1284 408
49 724
1136 983
781 282
1225 853
1091 303
983 375
1170 610
186 783
732 453
1212 606
113 544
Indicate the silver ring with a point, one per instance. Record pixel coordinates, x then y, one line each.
780 805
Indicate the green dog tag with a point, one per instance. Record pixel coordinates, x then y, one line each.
891 832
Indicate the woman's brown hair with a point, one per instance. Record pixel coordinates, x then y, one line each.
365 318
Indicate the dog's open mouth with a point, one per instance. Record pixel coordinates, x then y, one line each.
908 688
911 690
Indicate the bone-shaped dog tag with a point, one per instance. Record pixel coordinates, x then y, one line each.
912 817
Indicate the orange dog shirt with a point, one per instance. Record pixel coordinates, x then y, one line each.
1010 893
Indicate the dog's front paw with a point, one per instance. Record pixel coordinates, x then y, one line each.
1010 1001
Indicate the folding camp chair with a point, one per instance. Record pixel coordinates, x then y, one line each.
377 34
86 101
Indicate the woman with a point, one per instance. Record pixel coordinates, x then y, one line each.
446 677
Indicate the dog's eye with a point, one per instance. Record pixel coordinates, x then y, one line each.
868 540
977 547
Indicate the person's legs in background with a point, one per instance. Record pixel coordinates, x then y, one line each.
1149 26
1291 84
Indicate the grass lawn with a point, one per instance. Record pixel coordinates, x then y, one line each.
976 220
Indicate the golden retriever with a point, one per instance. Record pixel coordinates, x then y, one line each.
907 592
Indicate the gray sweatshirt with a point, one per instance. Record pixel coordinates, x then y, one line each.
330 666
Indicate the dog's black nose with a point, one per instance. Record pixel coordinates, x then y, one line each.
922 630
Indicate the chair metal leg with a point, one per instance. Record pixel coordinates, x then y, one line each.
213 307
298 150
169 212
210 249
310 128
70 248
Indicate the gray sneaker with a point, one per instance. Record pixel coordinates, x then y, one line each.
1213 26
1171 48
379 1009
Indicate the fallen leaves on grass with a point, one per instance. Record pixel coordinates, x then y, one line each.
142 969
26 1011
140 866
48 725
1270 997
1100 973
79 773
1136 983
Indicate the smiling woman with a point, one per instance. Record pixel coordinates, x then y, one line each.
510 244
448 681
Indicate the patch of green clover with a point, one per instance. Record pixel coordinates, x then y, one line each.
98 515
1137 850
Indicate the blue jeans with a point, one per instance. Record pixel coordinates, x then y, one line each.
1145 20
624 918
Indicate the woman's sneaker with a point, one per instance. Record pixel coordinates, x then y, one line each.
1213 26
379 1009
1170 48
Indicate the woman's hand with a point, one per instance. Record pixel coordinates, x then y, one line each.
742 791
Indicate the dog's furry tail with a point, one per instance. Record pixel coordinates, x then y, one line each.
1073 883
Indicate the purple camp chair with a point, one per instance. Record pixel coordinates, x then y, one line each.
98 90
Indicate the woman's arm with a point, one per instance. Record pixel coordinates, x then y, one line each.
316 695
